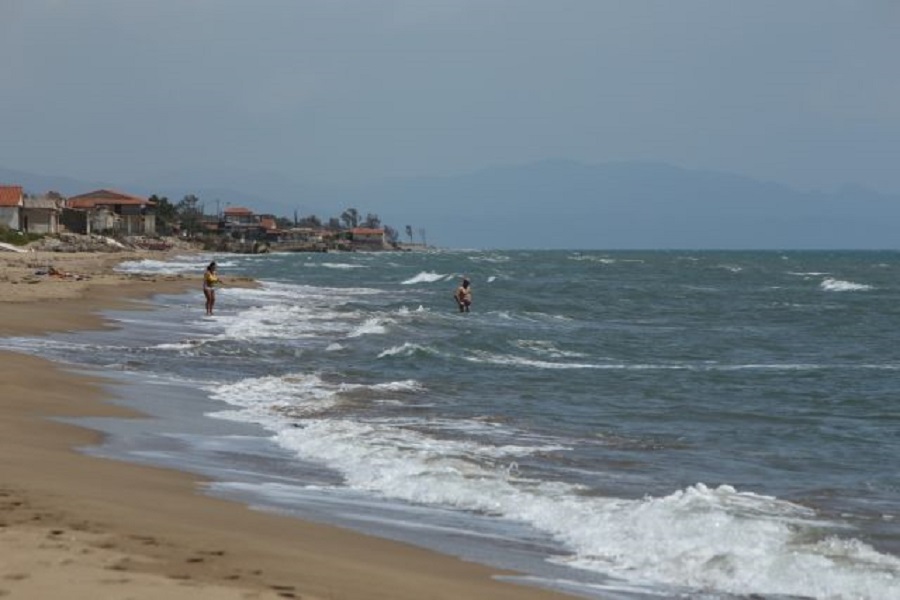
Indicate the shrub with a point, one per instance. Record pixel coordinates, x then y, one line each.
17 238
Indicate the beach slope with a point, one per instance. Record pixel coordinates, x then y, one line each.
83 527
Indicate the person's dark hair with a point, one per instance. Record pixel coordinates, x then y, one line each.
211 266
465 283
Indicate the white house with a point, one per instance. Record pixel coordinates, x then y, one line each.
11 198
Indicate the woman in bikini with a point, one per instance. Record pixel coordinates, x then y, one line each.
210 281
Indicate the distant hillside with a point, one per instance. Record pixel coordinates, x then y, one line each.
40 184
258 190
558 204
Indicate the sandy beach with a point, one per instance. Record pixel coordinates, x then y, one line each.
80 527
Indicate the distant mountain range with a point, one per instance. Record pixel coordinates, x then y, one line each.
555 204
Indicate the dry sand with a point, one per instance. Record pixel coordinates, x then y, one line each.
80 527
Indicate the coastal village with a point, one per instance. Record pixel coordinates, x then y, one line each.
51 221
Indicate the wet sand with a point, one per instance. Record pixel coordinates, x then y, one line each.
80 527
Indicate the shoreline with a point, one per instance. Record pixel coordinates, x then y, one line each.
92 526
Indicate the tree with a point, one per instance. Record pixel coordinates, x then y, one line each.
391 234
409 232
372 221
166 214
312 221
350 218
190 213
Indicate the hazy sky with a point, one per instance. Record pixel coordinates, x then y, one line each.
804 92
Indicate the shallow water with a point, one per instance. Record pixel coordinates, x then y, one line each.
626 424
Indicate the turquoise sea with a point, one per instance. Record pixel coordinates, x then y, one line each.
614 424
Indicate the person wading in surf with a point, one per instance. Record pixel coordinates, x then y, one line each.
210 281
463 295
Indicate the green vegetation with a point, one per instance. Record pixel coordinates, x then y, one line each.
17 238
188 216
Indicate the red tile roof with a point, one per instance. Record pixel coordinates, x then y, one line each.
10 195
106 198
366 231
238 210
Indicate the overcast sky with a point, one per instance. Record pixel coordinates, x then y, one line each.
803 92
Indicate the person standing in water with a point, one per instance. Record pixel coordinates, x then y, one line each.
210 281
463 295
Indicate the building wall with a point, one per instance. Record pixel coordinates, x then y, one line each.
368 240
137 224
74 220
9 217
102 220
37 220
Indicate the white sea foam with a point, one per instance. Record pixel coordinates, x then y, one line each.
519 361
836 285
262 398
407 385
490 258
425 277
177 265
727 541
405 311
285 311
292 293
186 345
530 316
406 349
809 274
266 399
603 260
280 321
371 326
717 540
340 266
731 268
546 348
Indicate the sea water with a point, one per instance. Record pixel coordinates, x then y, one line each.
613 424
